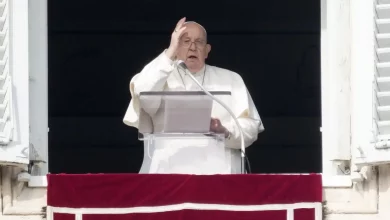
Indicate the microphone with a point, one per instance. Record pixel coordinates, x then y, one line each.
182 64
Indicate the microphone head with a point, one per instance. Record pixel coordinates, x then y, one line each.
182 64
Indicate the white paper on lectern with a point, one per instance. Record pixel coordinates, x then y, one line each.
187 114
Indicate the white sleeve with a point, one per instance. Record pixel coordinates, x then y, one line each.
153 77
247 116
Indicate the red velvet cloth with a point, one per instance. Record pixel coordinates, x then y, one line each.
135 190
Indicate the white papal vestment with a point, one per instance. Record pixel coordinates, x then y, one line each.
195 157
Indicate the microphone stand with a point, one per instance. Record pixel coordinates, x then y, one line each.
184 66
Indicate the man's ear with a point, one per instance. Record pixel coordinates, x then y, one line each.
208 49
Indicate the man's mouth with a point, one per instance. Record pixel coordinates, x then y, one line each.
192 57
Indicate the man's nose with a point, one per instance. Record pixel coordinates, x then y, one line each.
192 46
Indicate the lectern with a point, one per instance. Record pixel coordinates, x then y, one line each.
175 129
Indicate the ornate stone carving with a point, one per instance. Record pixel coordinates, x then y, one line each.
17 198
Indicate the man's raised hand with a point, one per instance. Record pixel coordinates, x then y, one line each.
175 39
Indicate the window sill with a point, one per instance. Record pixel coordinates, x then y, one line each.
37 181
336 181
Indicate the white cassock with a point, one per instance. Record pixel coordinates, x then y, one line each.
195 156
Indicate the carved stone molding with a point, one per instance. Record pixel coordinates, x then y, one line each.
362 198
17 198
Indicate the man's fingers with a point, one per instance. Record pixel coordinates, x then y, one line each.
180 24
215 120
215 125
181 21
180 31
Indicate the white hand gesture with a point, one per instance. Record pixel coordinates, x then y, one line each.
175 39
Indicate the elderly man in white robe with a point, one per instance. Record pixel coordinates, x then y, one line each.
189 44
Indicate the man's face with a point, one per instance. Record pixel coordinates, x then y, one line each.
193 48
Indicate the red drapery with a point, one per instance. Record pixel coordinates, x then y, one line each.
160 196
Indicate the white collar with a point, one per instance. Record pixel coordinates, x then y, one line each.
200 72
